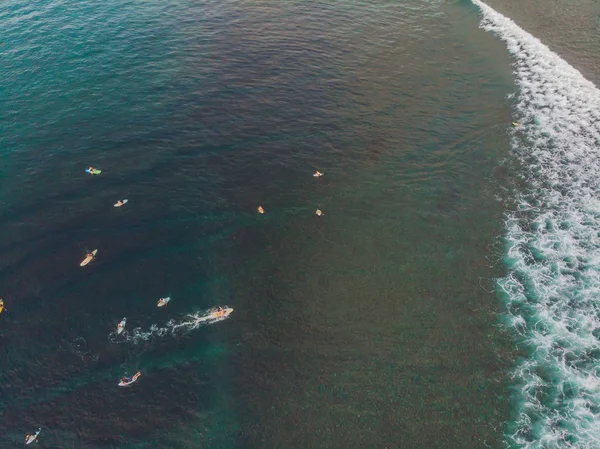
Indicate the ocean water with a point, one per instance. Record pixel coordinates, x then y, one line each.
567 29
378 324
552 248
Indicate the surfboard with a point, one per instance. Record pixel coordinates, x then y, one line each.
166 301
93 172
223 313
122 201
130 381
88 259
31 438
121 326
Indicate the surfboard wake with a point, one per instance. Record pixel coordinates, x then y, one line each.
174 327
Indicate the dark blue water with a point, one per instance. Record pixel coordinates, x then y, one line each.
371 326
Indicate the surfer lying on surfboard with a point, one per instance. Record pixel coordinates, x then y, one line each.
163 301
120 203
89 256
31 438
129 380
93 171
121 325
220 312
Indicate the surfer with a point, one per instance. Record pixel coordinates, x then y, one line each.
317 174
221 312
1 305
89 256
319 213
119 203
129 380
163 302
121 326
31 438
261 210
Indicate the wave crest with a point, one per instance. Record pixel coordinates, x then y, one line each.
553 254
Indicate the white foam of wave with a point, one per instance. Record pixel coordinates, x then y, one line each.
171 328
553 286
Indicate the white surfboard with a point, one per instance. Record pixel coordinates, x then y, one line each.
121 326
124 382
31 438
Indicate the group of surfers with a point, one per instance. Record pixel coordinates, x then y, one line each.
90 255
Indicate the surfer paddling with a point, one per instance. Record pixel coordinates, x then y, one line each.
89 256
129 380
30 438
93 171
221 312
121 326
163 302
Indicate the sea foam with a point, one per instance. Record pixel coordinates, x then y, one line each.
173 327
552 289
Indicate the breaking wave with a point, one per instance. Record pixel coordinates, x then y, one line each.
552 289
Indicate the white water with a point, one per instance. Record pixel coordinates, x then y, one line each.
553 287
171 328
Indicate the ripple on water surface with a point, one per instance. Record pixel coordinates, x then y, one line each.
199 112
